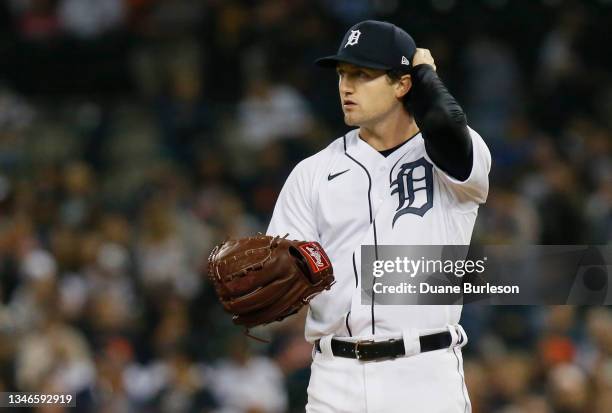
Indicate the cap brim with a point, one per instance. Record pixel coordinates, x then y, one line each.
332 61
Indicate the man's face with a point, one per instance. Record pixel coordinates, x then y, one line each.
366 95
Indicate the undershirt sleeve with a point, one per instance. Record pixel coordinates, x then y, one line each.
442 123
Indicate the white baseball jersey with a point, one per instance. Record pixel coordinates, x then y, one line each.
348 195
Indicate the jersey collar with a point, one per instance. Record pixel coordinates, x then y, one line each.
370 157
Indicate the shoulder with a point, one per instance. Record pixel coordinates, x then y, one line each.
320 160
307 175
479 145
476 137
473 133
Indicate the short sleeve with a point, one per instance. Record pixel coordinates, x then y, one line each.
476 187
293 212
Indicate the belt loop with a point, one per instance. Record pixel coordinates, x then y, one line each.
463 338
412 344
325 344
454 336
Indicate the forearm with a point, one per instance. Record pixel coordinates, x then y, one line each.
442 123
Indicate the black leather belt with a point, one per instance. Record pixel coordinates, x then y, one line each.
366 350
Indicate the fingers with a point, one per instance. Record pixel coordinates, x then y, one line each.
423 56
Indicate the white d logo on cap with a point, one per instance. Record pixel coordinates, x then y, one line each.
353 38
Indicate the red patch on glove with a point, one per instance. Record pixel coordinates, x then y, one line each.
316 257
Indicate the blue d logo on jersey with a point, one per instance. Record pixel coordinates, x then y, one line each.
411 178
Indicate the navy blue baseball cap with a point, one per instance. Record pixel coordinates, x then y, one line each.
374 44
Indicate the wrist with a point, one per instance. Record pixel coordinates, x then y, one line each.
421 69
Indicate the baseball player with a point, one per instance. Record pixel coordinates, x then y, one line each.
411 173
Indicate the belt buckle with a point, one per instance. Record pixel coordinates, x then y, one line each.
357 354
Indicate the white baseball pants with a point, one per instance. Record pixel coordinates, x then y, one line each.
431 382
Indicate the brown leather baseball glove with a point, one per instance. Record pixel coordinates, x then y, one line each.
263 279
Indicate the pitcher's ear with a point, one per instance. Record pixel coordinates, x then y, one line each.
403 86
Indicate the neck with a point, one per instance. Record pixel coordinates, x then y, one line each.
395 129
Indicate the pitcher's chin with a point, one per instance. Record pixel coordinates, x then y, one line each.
350 120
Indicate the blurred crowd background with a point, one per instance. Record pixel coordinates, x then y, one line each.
136 134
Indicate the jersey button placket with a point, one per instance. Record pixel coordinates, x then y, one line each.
380 185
